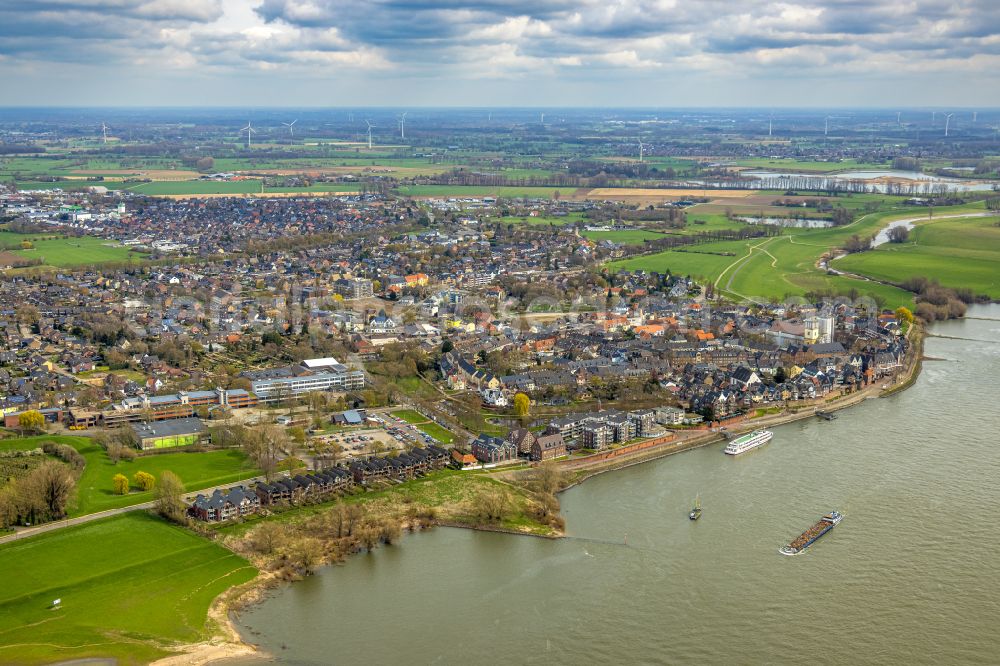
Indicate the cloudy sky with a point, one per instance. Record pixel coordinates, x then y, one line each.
500 52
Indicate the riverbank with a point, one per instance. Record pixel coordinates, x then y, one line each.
582 469
228 643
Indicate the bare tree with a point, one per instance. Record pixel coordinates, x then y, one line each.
264 446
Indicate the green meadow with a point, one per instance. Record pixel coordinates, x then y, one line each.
196 469
422 423
459 191
789 164
131 587
66 252
627 237
958 252
181 187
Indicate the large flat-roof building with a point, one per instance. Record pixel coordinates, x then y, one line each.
168 434
316 374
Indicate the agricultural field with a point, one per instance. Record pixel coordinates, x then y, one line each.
166 187
626 237
805 166
541 220
957 252
131 587
460 191
66 252
196 470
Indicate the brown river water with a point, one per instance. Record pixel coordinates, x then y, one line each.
911 576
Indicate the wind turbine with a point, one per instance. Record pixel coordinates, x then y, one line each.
641 148
898 114
104 131
933 117
770 124
249 130
947 120
543 119
370 126
402 125
826 126
974 115
291 126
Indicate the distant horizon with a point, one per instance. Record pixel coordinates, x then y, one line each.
539 107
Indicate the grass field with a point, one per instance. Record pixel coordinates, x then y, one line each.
198 187
700 261
80 251
459 191
131 587
67 252
196 470
541 220
629 237
780 164
425 425
776 268
409 415
958 252
438 433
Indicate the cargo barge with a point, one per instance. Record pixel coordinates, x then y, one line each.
809 537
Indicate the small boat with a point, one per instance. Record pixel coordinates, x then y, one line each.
696 511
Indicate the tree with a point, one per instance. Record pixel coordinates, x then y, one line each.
263 446
27 314
522 405
169 497
899 234
54 487
857 244
492 505
144 480
904 314
548 478
298 435
31 420
120 484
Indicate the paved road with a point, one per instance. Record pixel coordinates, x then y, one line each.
25 532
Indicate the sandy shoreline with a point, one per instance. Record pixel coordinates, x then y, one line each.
207 653
229 644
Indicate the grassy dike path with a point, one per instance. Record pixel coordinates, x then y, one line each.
132 588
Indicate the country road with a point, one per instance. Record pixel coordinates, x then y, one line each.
26 532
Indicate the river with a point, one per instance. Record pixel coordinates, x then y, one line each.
909 576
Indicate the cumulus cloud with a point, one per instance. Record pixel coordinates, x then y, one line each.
510 38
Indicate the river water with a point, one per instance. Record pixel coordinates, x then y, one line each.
909 577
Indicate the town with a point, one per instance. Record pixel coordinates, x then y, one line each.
259 358
502 344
